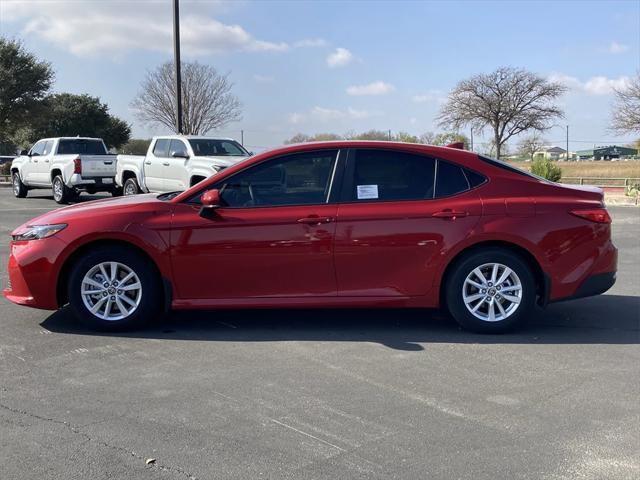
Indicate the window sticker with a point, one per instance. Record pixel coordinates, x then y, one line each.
367 192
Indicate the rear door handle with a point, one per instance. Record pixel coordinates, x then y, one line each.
147 163
452 214
315 220
166 164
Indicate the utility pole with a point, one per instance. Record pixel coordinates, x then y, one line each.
567 156
242 137
389 134
176 63
472 139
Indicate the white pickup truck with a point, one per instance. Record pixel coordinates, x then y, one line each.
176 162
67 165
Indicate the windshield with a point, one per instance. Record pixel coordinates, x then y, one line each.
81 146
165 197
208 147
504 165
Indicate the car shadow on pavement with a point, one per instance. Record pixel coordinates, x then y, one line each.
607 319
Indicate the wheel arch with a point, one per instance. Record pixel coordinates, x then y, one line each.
539 275
62 294
55 171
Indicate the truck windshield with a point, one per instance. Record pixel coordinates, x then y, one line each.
81 146
207 147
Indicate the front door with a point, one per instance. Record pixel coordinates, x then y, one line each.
396 220
175 177
273 236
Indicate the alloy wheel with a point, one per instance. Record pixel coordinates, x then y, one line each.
492 292
111 291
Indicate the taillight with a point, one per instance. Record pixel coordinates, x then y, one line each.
77 165
597 215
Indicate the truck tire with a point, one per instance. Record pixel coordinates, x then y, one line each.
61 193
131 187
19 189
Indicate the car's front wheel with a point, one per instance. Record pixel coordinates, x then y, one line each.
491 291
19 189
114 288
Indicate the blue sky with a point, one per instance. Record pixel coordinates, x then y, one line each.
330 66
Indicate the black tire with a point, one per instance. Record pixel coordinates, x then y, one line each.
61 193
196 180
456 282
150 302
131 187
20 190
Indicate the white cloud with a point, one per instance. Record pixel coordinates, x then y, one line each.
323 115
116 28
339 58
616 48
436 96
374 88
310 42
604 85
598 85
263 78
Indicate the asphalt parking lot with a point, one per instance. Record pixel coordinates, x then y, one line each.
324 394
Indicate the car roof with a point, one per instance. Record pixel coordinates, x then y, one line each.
192 137
71 138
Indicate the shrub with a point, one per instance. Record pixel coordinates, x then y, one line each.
5 168
632 190
546 169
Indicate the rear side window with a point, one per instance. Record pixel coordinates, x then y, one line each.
474 178
81 146
386 175
450 180
161 148
48 147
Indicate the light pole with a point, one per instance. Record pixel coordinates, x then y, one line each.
176 63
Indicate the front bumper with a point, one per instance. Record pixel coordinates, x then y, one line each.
33 273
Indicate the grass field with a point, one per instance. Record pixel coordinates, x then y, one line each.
600 169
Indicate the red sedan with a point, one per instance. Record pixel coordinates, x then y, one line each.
333 224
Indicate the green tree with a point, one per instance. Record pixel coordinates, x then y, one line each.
135 146
24 81
446 138
546 169
371 135
406 138
71 115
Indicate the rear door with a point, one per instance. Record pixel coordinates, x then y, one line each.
42 168
399 212
154 168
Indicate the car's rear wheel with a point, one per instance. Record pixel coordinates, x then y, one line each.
491 291
131 187
61 193
114 288
19 189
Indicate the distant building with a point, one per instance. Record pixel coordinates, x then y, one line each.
550 152
606 153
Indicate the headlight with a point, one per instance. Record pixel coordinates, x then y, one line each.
37 232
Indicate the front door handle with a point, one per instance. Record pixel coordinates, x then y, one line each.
166 164
315 220
147 163
450 214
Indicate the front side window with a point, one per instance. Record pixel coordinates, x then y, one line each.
387 175
161 148
298 179
37 149
208 147
81 146
177 148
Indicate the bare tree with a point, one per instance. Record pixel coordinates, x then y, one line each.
207 100
508 101
531 144
626 108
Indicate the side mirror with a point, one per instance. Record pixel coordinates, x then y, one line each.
251 154
180 155
24 153
210 202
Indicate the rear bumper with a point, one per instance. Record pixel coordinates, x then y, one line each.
593 285
95 183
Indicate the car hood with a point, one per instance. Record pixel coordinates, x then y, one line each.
97 208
